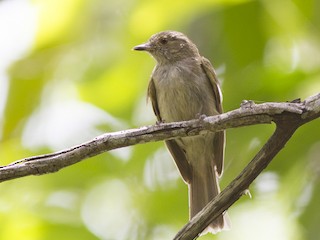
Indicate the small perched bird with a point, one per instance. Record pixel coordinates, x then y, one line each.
184 86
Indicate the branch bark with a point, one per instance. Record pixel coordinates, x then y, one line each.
240 184
288 117
287 123
248 114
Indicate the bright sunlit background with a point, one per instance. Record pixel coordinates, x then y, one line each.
68 74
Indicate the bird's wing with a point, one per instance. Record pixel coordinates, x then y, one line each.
176 151
153 97
208 69
180 159
219 139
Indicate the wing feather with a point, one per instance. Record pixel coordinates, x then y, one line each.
219 139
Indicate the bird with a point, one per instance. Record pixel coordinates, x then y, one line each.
184 86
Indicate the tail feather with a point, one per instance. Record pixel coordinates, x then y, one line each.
203 188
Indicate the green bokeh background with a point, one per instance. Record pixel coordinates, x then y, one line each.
78 78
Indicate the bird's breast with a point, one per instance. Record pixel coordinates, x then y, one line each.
182 92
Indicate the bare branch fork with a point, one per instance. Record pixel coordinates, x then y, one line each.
288 116
287 123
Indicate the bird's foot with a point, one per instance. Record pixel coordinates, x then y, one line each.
201 117
247 104
158 122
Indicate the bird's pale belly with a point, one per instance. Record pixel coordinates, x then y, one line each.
182 94
176 103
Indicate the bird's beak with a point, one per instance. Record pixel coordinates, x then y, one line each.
143 47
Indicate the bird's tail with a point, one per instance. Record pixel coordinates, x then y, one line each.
203 188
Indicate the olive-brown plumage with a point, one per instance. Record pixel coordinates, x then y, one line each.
182 87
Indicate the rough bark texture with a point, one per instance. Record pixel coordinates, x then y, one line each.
287 116
287 123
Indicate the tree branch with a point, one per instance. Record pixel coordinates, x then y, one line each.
239 185
287 116
248 114
287 123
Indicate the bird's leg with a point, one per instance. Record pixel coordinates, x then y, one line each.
158 122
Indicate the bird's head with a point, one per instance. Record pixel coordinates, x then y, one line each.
169 47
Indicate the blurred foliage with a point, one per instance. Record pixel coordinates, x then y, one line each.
78 78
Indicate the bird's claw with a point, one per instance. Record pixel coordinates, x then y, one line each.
158 122
201 117
247 104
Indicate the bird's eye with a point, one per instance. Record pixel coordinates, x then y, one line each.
164 41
